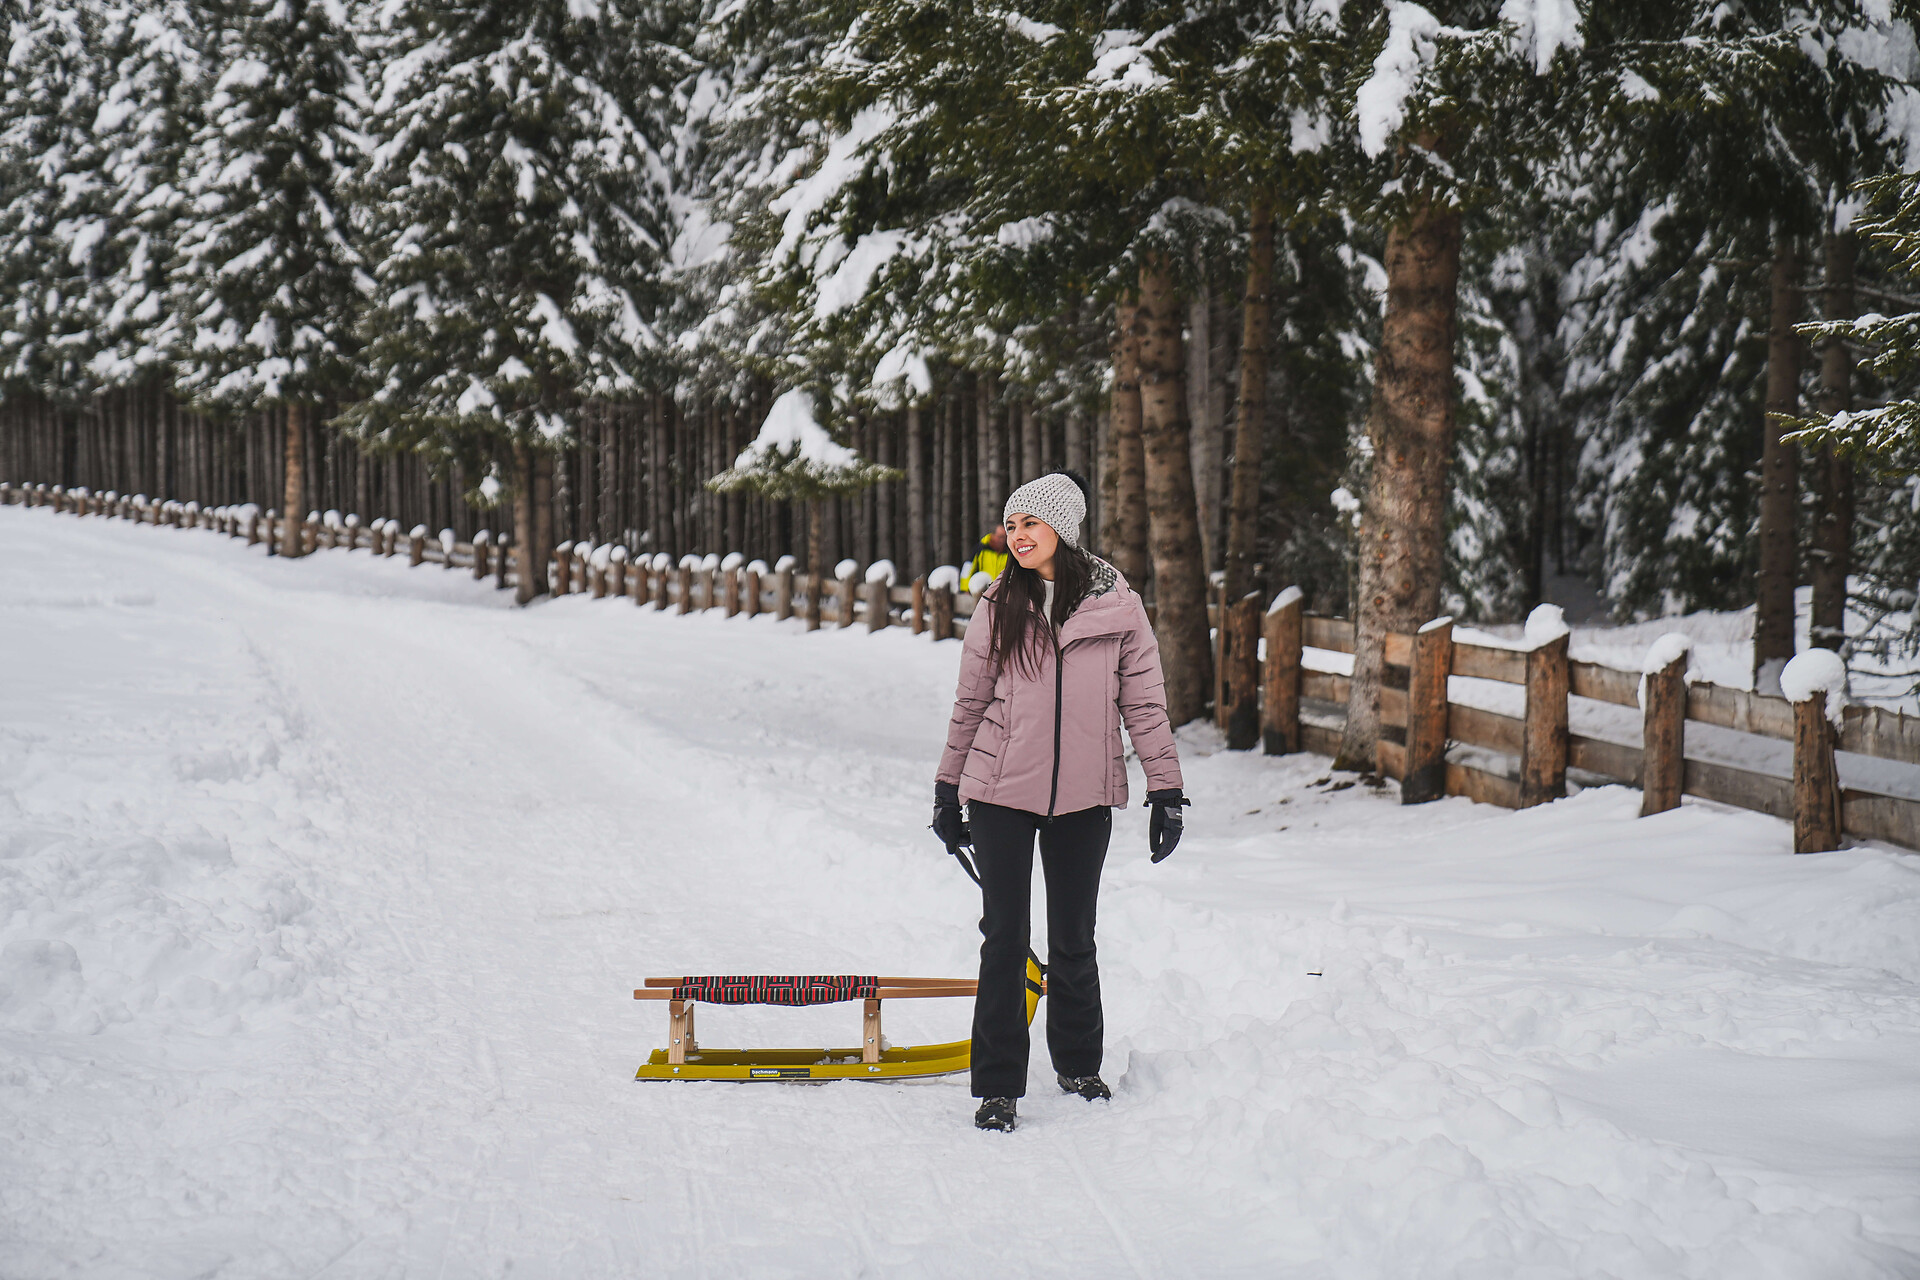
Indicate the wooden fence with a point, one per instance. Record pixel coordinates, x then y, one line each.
1437 738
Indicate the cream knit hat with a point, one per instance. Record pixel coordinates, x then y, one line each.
1054 498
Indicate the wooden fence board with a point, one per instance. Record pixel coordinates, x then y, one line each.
1482 787
1604 684
1318 739
1327 686
1335 634
1486 728
1608 759
1483 663
1393 707
1392 757
1877 817
1741 710
1398 649
1876 731
1742 788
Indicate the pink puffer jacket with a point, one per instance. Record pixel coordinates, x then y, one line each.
1051 743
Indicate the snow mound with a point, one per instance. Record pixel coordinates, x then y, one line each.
978 583
944 578
784 564
1287 596
881 571
846 570
731 561
1817 671
1547 622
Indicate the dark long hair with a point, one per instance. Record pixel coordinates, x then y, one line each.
1019 599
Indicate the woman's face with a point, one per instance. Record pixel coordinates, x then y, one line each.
1033 542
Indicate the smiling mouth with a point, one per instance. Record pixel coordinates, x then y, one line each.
1022 548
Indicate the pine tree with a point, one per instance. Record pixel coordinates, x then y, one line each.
516 203
268 282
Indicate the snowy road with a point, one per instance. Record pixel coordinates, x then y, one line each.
323 888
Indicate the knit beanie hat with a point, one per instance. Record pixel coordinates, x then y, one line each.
1054 498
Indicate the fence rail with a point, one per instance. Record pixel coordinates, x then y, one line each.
1432 741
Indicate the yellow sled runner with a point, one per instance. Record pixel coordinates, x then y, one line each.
685 1059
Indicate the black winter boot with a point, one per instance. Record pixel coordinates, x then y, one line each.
998 1114
1092 1088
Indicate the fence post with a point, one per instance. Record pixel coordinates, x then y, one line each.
659 581
482 549
1543 755
1239 708
709 584
878 605
596 576
501 549
783 593
813 601
940 611
751 605
1663 731
1432 663
730 588
1809 680
639 572
1217 620
686 585
417 546
916 607
1280 681
849 593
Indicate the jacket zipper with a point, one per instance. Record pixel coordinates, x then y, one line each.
1053 795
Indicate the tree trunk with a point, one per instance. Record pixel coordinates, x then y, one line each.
1779 478
1125 538
1833 475
816 559
917 560
1179 575
524 537
294 498
1208 442
1403 523
1250 416
540 550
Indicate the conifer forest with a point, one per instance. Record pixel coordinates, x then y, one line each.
1444 308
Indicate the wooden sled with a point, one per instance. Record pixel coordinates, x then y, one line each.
685 1059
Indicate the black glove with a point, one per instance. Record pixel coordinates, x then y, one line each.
949 822
1167 822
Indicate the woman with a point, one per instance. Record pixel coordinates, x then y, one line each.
1058 655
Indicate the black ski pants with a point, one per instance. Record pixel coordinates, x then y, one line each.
1073 848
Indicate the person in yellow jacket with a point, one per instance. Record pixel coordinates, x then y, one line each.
991 558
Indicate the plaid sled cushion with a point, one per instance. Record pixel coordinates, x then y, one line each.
810 989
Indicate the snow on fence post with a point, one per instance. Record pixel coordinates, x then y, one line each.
940 584
1432 663
1280 680
687 563
916 607
1815 682
783 589
662 562
616 571
756 571
1239 708
417 546
1663 725
1543 754
730 569
847 575
880 575
595 566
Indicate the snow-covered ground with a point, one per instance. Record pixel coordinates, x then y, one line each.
324 887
